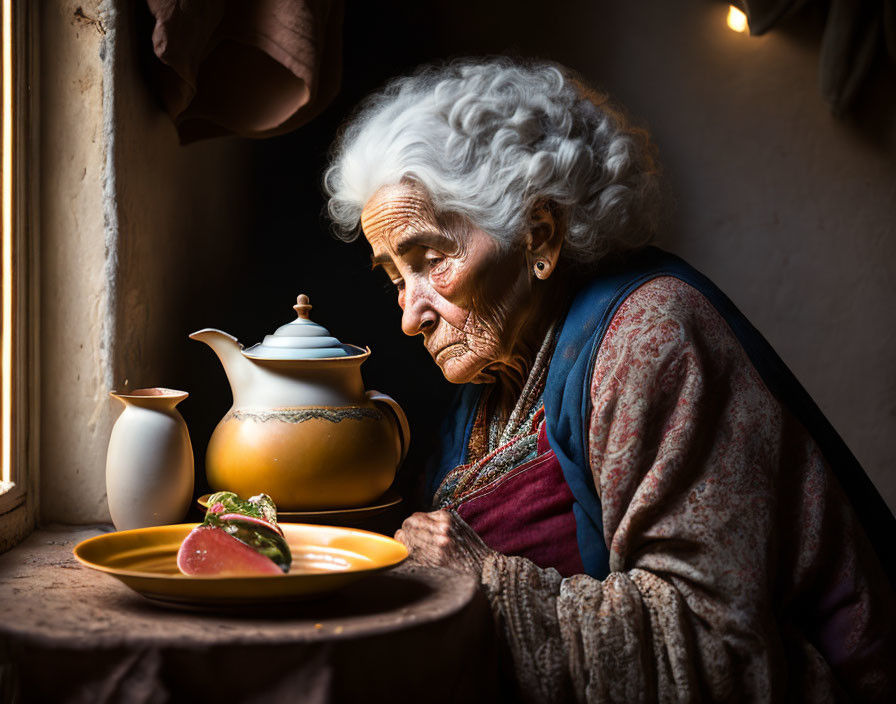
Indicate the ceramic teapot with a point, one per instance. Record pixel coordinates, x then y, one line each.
302 429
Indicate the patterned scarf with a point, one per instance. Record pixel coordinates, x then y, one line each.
496 448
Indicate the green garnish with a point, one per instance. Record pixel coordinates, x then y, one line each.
261 506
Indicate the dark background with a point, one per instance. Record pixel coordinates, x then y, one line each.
289 248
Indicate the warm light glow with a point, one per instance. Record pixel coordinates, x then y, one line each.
6 338
737 20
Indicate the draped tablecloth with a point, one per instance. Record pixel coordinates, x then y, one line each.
70 634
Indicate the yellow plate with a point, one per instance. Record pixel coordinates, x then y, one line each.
324 558
344 516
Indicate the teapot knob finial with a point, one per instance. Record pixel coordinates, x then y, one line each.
303 306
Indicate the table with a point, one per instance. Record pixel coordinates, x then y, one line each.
69 634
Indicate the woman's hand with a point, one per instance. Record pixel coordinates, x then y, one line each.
443 539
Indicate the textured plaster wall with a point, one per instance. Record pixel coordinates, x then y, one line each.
131 220
75 416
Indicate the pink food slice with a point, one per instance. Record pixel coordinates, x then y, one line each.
210 551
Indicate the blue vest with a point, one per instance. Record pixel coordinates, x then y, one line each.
567 403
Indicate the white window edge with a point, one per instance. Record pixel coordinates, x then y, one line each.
19 506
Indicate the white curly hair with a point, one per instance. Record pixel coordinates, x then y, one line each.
491 139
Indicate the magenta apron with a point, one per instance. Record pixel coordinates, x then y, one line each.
526 511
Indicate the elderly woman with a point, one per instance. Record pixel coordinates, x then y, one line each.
649 498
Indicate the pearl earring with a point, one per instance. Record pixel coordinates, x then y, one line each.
539 267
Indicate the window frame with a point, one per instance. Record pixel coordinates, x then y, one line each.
19 506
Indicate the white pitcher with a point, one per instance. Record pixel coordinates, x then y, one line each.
149 465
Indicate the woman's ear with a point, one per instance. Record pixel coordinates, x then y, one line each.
547 230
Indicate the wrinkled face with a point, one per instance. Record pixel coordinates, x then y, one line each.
456 286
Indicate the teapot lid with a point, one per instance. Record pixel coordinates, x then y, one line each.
300 339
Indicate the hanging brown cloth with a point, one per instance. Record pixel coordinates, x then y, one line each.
855 31
253 68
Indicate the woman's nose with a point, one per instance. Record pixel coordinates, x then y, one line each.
418 315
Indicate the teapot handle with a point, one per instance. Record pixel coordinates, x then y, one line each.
402 420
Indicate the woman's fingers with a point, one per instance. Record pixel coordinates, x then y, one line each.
426 537
425 527
442 539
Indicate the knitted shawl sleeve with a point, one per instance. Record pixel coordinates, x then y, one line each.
721 518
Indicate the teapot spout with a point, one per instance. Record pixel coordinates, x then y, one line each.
238 369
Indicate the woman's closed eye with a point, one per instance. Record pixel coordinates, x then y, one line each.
436 261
